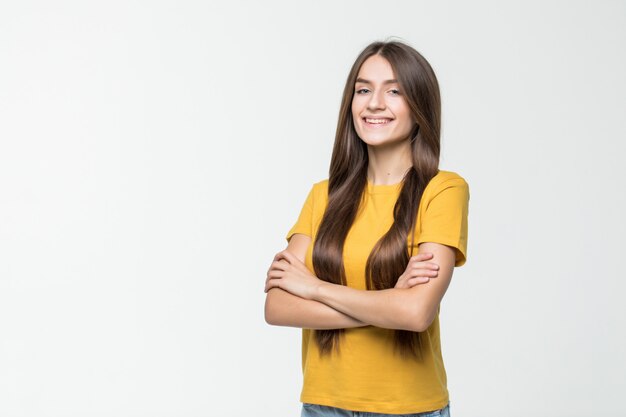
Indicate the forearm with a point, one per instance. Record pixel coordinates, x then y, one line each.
285 309
392 308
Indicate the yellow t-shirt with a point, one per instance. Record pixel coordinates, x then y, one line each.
367 375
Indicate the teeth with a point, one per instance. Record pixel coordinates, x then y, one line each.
377 121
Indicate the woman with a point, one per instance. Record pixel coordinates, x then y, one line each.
374 247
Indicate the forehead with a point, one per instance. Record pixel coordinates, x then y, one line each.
375 69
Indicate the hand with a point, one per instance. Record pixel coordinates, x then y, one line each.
290 274
418 271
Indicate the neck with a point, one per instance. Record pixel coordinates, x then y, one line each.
389 163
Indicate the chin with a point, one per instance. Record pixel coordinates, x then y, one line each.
374 141
377 141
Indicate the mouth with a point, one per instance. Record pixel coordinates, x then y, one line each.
376 121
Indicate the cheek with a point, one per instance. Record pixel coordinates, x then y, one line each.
355 114
406 116
355 108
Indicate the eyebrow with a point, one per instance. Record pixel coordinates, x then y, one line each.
362 80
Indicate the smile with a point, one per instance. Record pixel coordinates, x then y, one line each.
373 121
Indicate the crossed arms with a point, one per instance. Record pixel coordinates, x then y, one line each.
332 306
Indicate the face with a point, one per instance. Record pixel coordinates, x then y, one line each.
380 112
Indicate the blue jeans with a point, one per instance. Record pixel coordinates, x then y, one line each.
316 410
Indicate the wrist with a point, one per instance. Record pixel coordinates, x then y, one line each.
319 290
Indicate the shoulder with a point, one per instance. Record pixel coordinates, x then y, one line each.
446 179
320 188
447 187
318 193
322 184
445 176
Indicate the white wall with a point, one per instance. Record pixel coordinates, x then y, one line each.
154 154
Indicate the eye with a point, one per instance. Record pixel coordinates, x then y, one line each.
361 91
395 92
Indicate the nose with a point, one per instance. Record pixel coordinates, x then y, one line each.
376 102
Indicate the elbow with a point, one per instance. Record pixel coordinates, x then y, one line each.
417 326
420 320
270 312
269 317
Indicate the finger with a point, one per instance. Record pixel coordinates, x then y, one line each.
280 265
433 265
420 272
284 255
274 283
420 258
299 265
417 280
279 255
274 274
292 259
287 255
408 282
402 281
425 273
403 284
426 266
275 265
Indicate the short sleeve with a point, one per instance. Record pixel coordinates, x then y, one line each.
305 219
445 217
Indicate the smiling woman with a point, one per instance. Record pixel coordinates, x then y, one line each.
380 112
373 250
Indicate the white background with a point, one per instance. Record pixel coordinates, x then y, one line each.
153 156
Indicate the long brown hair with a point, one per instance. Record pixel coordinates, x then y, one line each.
348 181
